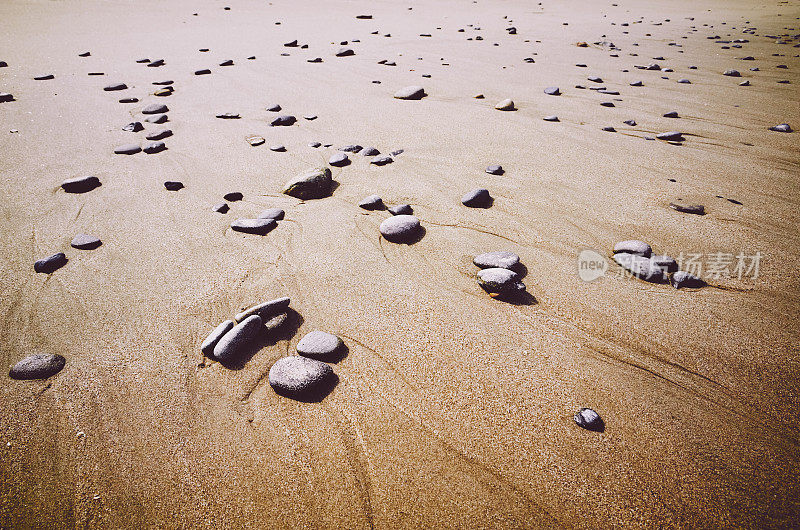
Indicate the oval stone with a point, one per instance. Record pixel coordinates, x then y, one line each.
498 280
299 377
85 242
266 310
634 246
272 213
506 104
155 108
477 198
589 419
400 228
38 366
213 338
253 226
234 341
319 345
80 184
50 263
497 259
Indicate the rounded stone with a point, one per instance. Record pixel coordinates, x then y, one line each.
237 339
115 86
495 170
502 259
319 345
672 136
685 279
696 209
158 135
155 108
266 310
50 263
634 246
80 184
38 366
127 149
371 202
283 121
783 127
552 91
400 228
506 104
401 209
300 377
85 242
272 213
154 147
339 160
477 198
173 185
213 338
496 280
134 126
589 419
157 118
233 196
642 267
410 92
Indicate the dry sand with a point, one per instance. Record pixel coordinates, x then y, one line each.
452 409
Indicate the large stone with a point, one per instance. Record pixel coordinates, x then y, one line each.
783 127
80 184
672 136
319 345
339 160
300 377
497 280
400 228
642 267
272 213
477 198
232 344
313 184
50 263
634 246
410 92
253 226
213 338
155 108
38 366
266 310
498 259
685 279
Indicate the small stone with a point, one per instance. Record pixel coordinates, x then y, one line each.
291 44
50 263
38 366
227 62
732 73
502 259
272 213
85 242
299 377
400 228
589 420
221 207
381 160
163 83
255 140
274 108
642 267
229 116
506 104
410 92
637 83
478 96
6 97
310 117
607 104
313 184
495 170
671 114
164 92
80 184
371 202
266 310
233 196
401 209
697 209
345 52
783 127
684 279
595 79
672 136
339 160
204 71
155 108
551 118
173 185
634 246
134 126
371 151
497 281
253 226
129 100
319 345
237 339
115 86
477 198
127 149
745 83
158 135
684 81
632 123
213 338
155 147
156 63
552 91
278 148
158 118
283 121
665 262
44 77
351 148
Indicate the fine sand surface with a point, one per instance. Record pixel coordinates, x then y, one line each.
452 409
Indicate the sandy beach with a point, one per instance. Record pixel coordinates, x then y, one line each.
449 408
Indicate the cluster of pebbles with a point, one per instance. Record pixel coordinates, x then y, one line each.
637 258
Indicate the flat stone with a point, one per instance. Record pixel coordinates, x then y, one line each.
272 213
283 121
732 73
632 123
501 259
164 92
319 345
228 116
115 86
552 91
345 52
158 118
154 147
634 246
85 242
339 160
642 267
495 170
477 198
665 262
44 77
506 104
80 184
496 280
381 160
155 108
173 185
589 420
227 62
401 209
410 92
274 108
682 279
134 126
231 345
697 209
158 135
156 63
672 136
203 71
164 83
310 117
371 202
127 149
783 127
213 338
351 148
255 140
38 366
278 148
6 97
253 226
233 196
550 118
671 114
50 263
266 310
370 151
313 184
637 83
400 228
129 100
299 377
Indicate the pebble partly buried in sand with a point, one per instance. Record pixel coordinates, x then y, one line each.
38 366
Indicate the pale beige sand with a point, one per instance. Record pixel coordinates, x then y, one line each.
452 409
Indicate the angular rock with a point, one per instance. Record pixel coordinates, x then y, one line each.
134 126
157 118
221 207
370 151
506 104
50 263
38 366
313 184
155 147
319 345
410 92
401 209
351 148
283 121
589 420
477 198
371 202
232 344
495 170
682 279
345 52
